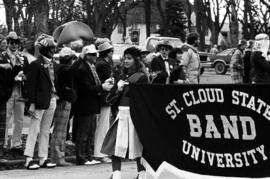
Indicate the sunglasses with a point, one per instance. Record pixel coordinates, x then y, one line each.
164 49
92 54
14 43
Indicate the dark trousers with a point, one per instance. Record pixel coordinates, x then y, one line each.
74 128
84 138
2 126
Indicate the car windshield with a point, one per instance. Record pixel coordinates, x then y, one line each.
153 42
226 52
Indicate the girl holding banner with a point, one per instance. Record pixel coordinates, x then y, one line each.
122 140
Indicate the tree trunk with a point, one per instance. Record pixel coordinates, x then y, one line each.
9 8
161 6
147 14
233 24
200 23
98 28
41 16
124 25
245 28
214 35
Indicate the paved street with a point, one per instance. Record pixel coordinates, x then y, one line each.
101 171
210 77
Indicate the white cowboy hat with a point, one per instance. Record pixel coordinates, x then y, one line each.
104 46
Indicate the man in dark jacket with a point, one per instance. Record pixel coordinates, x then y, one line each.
246 60
88 104
5 92
160 67
104 67
42 85
66 95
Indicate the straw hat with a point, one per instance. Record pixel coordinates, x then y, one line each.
12 36
164 43
104 46
88 49
66 51
45 40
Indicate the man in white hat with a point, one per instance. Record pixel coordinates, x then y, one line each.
104 67
260 62
16 102
89 89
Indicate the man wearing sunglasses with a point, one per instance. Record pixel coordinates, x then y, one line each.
89 89
16 103
160 70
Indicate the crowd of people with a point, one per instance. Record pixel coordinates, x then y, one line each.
250 62
86 86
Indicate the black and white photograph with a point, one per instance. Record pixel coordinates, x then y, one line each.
134 89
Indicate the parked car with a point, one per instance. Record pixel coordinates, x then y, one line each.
151 42
221 61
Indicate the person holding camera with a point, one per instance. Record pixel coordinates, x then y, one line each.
121 140
16 103
104 67
87 106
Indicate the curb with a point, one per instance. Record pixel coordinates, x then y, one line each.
19 164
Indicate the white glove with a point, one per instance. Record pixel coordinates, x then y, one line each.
121 84
32 108
110 80
107 86
19 76
6 66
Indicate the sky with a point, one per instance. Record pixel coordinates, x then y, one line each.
2 13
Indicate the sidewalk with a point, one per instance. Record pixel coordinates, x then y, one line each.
101 171
15 161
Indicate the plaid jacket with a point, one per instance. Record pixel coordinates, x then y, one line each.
237 67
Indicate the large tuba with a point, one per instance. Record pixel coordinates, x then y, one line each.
72 31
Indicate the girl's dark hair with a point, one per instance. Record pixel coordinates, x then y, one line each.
105 53
136 54
192 37
172 54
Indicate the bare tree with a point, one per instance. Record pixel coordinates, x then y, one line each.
233 19
9 7
188 8
256 18
200 25
41 16
215 22
147 10
161 6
